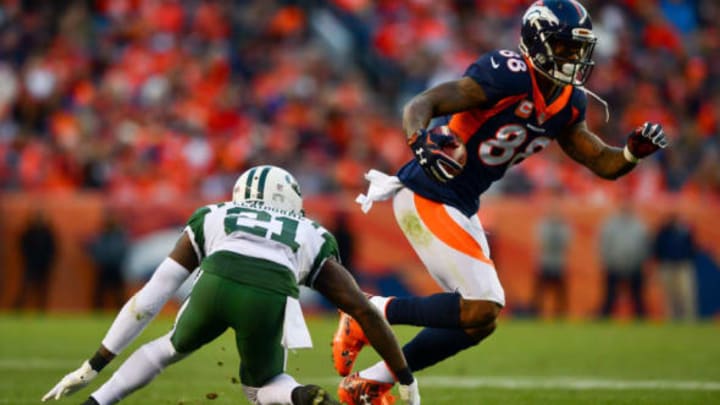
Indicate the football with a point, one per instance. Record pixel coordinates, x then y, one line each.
454 150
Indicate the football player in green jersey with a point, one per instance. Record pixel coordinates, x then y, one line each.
253 253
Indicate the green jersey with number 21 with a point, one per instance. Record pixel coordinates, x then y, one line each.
295 243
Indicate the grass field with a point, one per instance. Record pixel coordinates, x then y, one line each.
523 363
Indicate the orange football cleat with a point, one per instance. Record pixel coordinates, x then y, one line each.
354 390
347 342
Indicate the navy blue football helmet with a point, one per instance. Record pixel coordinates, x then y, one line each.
557 38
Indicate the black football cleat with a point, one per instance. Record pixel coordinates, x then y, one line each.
312 395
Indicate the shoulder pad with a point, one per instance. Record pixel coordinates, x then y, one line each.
501 73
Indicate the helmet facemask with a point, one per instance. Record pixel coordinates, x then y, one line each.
570 58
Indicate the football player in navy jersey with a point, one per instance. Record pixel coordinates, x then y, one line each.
508 106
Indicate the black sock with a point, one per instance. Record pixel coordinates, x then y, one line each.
436 311
98 362
433 345
90 401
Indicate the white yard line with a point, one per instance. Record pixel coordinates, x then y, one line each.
457 382
573 383
557 383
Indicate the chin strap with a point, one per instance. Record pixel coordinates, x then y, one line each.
600 99
582 88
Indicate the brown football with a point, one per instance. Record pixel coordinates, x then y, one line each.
455 150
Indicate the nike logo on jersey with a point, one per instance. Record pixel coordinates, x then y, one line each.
534 128
494 64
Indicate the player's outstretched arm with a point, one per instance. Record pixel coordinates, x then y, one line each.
337 285
607 161
133 317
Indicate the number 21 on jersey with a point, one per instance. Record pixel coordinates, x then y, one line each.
263 224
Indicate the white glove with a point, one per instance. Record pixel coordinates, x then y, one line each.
72 382
410 394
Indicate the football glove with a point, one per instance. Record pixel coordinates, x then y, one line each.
427 148
72 382
644 141
410 394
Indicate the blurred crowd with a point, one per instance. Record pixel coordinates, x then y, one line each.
155 99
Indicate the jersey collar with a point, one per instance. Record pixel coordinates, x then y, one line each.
544 112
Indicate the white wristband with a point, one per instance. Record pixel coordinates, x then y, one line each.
629 156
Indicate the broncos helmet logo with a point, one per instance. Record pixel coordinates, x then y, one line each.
538 12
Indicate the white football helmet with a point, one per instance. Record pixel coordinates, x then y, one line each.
270 185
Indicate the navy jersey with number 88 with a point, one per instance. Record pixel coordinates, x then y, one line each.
515 124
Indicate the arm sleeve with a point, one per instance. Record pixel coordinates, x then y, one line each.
144 305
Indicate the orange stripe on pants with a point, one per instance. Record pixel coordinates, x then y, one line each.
444 227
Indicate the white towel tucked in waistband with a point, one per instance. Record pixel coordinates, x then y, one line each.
382 187
295 331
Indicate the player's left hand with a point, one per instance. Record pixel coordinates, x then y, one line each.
427 147
72 382
410 394
646 140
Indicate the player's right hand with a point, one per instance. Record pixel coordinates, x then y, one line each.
427 147
72 382
646 139
410 394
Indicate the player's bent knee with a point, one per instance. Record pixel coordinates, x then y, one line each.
478 314
478 334
183 346
163 352
178 346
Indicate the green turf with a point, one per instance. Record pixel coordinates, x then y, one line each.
37 351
